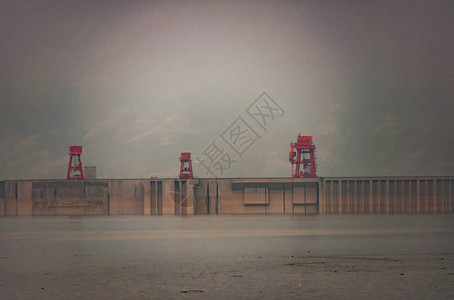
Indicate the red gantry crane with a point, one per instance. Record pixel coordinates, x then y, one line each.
75 170
305 156
186 166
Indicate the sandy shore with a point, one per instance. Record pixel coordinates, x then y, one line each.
234 257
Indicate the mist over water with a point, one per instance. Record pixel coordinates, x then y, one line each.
222 256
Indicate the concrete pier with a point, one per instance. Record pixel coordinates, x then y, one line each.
170 196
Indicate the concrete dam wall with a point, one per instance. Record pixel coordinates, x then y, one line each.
327 195
386 195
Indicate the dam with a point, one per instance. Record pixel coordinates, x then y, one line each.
210 196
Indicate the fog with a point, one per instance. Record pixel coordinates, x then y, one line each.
138 82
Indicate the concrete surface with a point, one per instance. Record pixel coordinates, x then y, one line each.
325 195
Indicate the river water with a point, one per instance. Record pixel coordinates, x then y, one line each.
227 257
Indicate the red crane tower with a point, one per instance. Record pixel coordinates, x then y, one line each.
186 166
305 155
75 170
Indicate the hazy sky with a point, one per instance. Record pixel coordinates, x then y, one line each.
138 82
